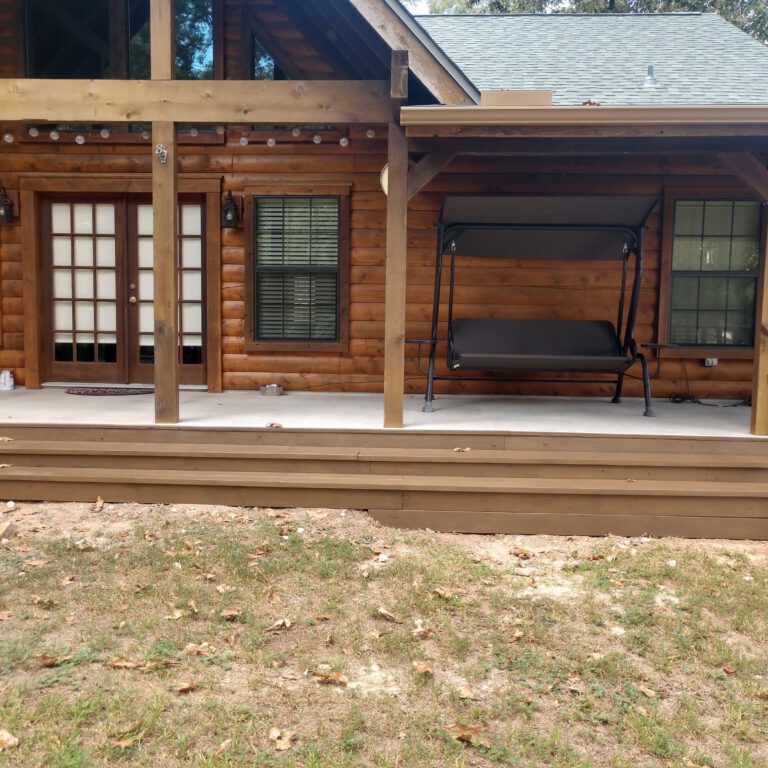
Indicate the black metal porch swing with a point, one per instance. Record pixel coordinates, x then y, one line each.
584 228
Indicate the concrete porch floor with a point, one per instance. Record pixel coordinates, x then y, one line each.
311 410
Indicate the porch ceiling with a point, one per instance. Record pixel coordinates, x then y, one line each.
348 411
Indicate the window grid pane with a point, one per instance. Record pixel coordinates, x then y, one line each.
714 273
296 260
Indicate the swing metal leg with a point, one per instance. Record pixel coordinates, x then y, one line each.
646 387
619 385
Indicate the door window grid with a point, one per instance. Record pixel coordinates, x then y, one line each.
84 282
190 241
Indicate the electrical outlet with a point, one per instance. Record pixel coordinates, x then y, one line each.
710 362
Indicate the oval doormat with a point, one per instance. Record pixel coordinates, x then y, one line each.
108 391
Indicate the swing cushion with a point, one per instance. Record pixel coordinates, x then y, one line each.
485 344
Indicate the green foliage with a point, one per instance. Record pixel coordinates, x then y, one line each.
749 15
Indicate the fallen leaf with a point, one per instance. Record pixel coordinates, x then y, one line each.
517 635
274 599
423 668
121 609
224 589
5 466
175 616
467 693
283 739
7 740
421 632
462 450
5 615
274 425
8 529
187 687
67 580
222 748
448 592
647 692
729 670
330 678
5 439
521 553
46 603
322 617
230 614
193 606
127 742
279 625
468 734
385 614
36 563
120 662
46 661
99 505
191 649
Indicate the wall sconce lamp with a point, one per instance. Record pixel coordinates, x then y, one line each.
230 213
6 207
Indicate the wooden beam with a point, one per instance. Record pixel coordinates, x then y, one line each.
590 146
424 64
759 421
195 101
750 170
426 170
161 17
164 205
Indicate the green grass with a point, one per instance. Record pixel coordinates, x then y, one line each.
657 656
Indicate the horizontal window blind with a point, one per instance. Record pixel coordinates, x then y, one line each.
296 268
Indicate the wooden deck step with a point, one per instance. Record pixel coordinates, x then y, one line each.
448 503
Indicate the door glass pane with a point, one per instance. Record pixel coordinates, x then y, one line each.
191 220
192 318
83 283
146 318
83 252
145 220
62 315
84 316
191 286
62 284
62 251
105 219
105 284
60 219
191 254
83 218
146 285
107 316
146 258
105 252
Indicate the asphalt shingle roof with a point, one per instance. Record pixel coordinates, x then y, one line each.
698 58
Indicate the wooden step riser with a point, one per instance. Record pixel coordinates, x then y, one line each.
543 502
417 469
583 524
707 446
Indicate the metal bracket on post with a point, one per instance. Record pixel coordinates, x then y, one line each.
162 153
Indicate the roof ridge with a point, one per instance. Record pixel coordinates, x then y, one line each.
564 14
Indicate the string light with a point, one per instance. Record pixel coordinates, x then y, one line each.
271 142
54 135
80 139
344 141
8 138
34 131
243 141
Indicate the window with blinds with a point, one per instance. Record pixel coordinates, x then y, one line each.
296 259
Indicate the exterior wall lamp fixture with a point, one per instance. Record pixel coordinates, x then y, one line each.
6 207
230 213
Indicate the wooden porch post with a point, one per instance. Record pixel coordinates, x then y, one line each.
164 204
397 241
753 173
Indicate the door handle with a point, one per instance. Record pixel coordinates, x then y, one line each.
132 299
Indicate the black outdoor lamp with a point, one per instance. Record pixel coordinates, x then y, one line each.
230 215
6 207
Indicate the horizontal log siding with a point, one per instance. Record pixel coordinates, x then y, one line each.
515 288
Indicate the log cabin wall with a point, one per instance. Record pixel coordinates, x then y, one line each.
512 288
509 288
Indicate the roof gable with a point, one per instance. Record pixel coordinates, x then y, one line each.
696 58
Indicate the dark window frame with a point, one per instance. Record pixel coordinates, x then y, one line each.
342 192
673 195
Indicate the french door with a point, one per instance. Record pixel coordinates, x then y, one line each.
99 279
